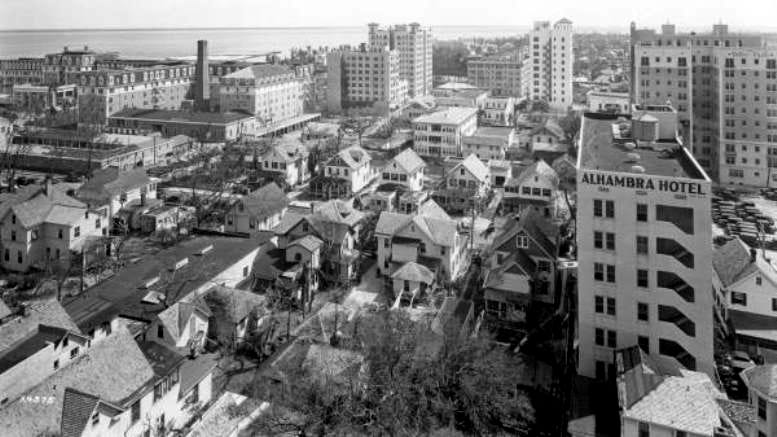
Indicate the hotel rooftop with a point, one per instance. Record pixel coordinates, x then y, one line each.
608 143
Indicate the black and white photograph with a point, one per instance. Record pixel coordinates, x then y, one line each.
416 218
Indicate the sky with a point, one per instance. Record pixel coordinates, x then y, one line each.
609 14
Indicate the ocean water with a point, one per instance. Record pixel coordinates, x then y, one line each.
162 43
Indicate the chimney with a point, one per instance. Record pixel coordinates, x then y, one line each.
753 255
47 189
202 80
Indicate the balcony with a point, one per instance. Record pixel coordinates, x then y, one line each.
673 349
669 247
673 282
672 315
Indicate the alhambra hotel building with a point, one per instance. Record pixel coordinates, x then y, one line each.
644 243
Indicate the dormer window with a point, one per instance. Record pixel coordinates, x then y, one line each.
13 219
95 418
522 241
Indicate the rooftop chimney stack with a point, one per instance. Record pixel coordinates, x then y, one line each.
202 84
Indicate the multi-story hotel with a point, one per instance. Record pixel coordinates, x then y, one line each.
365 78
644 252
414 45
270 92
102 93
547 70
724 86
441 133
502 76
52 70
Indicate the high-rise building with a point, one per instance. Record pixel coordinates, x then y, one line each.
643 236
414 45
502 76
547 70
367 78
724 86
272 93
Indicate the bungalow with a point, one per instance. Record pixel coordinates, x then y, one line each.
537 188
745 285
42 224
336 226
287 163
465 184
406 169
261 210
235 314
529 238
154 389
111 190
410 282
345 174
428 237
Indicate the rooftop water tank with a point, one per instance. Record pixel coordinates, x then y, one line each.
645 128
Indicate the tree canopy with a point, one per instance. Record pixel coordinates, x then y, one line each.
412 381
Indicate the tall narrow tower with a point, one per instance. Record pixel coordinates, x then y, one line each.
202 84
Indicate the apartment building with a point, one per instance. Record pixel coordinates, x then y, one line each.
498 111
53 69
272 93
724 86
102 93
644 253
19 72
440 133
547 71
414 46
366 78
501 76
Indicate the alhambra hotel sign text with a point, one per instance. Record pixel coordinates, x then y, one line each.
641 183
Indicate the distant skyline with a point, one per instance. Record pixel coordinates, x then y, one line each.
698 15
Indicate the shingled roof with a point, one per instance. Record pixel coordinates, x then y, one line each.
408 160
415 272
352 157
539 169
732 261
77 409
474 166
265 202
762 378
110 182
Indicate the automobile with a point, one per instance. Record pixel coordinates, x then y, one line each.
739 361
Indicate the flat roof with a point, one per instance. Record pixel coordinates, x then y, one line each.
600 151
182 116
447 116
492 131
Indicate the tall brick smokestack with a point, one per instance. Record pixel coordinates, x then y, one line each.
202 84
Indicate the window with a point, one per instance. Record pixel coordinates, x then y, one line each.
95 418
610 241
609 209
644 429
612 340
599 304
74 352
522 241
56 364
611 306
135 411
598 239
7 255
160 331
77 231
644 343
642 278
598 272
758 280
158 392
19 257
738 298
599 336
597 208
610 273
680 434
774 304
642 311
600 370
642 212
13 235
761 408
642 245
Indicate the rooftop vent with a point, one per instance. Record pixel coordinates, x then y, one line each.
637 169
150 281
181 263
205 250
